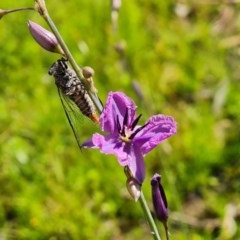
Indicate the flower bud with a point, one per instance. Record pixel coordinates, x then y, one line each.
44 38
160 204
159 198
88 72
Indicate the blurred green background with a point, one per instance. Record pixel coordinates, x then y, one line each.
173 57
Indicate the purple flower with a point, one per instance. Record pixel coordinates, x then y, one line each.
124 138
159 198
44 38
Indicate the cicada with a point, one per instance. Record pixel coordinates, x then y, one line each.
73 94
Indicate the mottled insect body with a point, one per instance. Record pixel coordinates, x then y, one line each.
69 85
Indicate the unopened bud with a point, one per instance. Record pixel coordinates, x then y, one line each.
88 72
134 188
44 38
159 200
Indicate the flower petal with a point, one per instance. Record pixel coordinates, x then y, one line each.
116 106
109 145
158 128
127 154
136 165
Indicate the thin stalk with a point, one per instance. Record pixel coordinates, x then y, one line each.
5 12
149 217
19 9
70 58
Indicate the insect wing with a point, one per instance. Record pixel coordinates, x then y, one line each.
74 116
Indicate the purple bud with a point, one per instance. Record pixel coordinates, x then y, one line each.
44 38
159 198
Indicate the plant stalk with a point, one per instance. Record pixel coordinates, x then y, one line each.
149 217
4 12
77 69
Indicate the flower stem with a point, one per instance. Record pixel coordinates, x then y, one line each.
148 214
77 69
20 9
5 12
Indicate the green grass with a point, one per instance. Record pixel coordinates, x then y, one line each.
187 66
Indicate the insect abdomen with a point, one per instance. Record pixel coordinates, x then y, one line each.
84 103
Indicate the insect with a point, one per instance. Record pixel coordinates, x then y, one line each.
73 94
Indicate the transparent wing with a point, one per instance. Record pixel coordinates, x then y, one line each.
78 122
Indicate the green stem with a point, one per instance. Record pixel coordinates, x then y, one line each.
72 61
149 217
20 9
5 12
